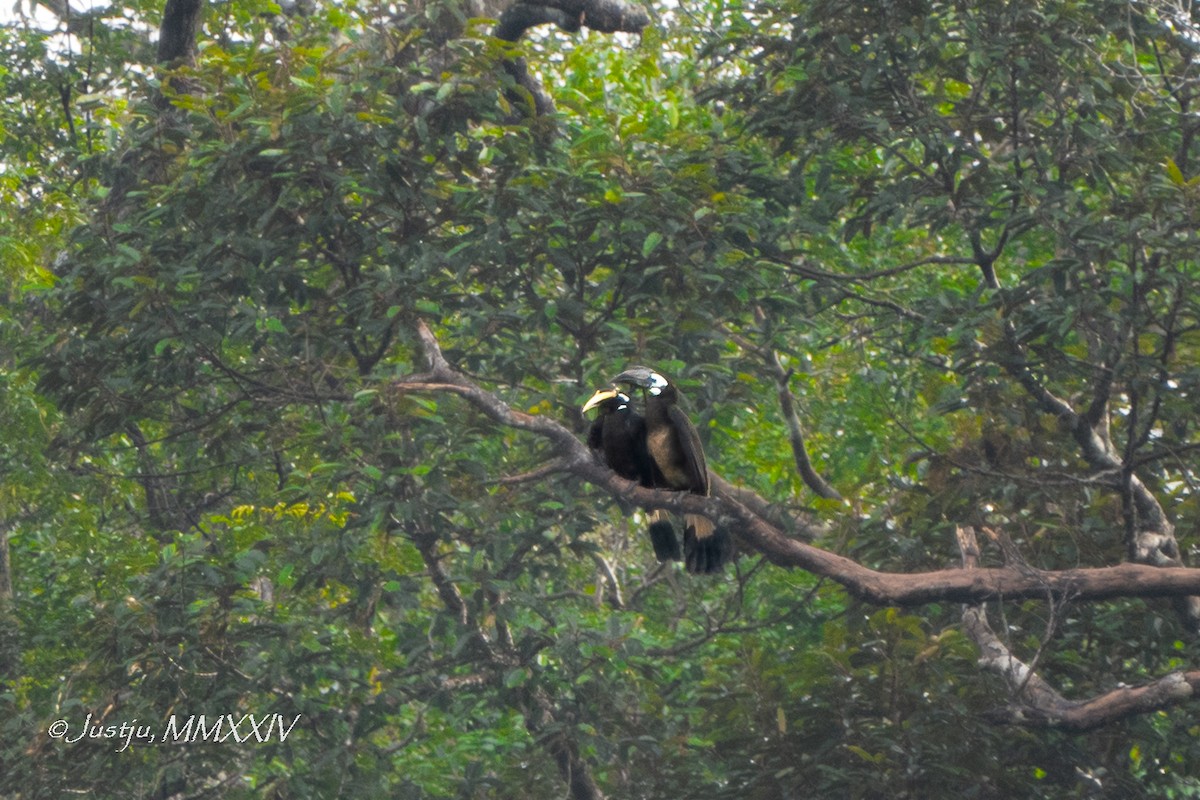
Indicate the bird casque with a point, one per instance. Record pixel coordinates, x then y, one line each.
618 436
678 457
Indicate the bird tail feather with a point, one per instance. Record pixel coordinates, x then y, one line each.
662 536
706 548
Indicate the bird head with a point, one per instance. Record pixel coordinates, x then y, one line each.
606 395
644 377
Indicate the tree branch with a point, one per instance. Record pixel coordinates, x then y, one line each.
787 409
1153 538
606 16
1036 702
756 533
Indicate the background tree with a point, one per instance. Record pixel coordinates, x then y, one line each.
298 331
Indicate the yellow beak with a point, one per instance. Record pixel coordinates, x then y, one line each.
598 398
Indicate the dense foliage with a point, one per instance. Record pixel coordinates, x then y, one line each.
923 219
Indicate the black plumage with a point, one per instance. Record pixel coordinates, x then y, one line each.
674 448
618 436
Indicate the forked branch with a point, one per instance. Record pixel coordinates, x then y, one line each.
1035 703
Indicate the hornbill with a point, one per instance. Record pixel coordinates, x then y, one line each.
675 449
619 436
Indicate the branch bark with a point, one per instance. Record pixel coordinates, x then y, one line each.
787 407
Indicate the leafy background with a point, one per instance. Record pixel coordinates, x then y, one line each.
213 503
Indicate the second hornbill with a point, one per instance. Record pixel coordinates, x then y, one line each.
619 436
674 447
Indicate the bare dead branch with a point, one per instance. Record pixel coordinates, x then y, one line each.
609 576
1024 683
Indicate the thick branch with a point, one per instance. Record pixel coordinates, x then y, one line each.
1120 703
1037 703
607 16
520 17
776 515
756 533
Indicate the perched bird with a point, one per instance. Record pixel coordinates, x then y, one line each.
618 435
675 449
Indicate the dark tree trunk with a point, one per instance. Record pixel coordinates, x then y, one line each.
177 35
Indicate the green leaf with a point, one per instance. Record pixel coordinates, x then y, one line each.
652 241
1174 173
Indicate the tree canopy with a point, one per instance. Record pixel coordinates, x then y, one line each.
302 302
